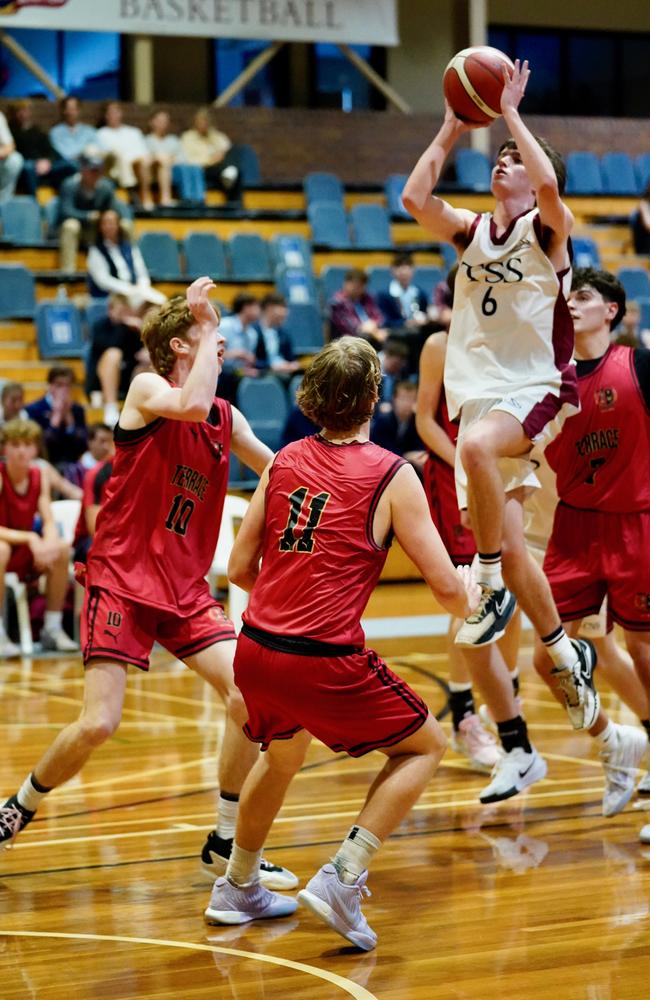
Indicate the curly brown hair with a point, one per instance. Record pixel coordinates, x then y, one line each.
173 319
341 385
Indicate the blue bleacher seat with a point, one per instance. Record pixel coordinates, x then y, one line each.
583 174
290 251
644 305
297 286
642 166
240 477
618 174
331 279
427 278
370 226
59 332
379 278
635 281
96 309
449 255
393 190
473 171
249 164
249 258
322 187
305 328
160 253
17 292
585 252
329 224
264 403
205 254
293 387
21 220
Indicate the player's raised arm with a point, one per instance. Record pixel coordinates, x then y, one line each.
246 446
438 217
245 555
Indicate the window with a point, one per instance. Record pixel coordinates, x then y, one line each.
339 84
83 63
267 88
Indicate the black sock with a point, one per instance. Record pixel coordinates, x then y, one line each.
461 704
513 733
646 725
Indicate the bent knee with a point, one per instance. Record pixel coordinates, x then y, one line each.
96 729
236 706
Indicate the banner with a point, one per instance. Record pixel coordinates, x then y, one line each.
370 22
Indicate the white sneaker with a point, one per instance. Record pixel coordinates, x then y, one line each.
339 905
214 861
8 649
229 176
57 642
234 904
111 414
644 835
486 718
512 773
643 788
476 744
576 682
620 762
489 621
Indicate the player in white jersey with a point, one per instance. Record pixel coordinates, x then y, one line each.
509 373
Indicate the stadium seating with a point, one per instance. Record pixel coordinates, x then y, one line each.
58 329
249 163
205 254
642 166
635 281
305 328
293 387
263 401
449 255
96 309
17 292
585 252
644 306
393 190
329 224
583 174
379 278
249 258
322 187
427 278
473 171
297 286
160 253
21 221
290 251
331 280
370 226
618 174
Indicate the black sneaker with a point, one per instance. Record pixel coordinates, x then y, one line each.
577 685
13 819
489 621
214 861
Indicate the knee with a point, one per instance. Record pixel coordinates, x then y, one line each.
475 450
97 727
71 226
236 706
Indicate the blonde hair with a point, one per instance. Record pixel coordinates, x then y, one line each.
341 385
17 430
173 319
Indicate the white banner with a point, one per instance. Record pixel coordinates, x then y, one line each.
371 22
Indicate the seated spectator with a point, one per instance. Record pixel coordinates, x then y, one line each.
115 265
11 162
81 200
128 160
41 162
241 338
166 148
71 136
442 300
100 446
63 421
115 352
206 147
12 402
404 305
24 495
354 312
641 224
393 359
93 491
396 431
273 349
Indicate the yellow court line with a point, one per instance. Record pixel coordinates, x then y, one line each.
349 987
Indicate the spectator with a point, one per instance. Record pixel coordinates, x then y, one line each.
41 163
71 136
442 300
115 352
396 431
210 149
82 198
273 349
116 265
24 494
12 402
393 359
62 420
641 224
93 496
11 162
100 446
404 305
128 160
241 337
162 146
354 312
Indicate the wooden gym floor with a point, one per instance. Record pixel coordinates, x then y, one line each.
539 897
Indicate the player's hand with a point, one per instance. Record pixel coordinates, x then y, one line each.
514 85
199 304
44 553
472 588
457 123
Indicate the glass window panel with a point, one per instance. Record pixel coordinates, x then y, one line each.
15 79
91 64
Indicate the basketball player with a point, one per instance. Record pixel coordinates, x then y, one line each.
155 538
600 542
321 520
486 665
508 371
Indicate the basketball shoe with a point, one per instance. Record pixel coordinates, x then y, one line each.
58 642
643 788
13 819
474 742
339 905
620 762
644 834
489 621
214 861
577 685
235 904
512 773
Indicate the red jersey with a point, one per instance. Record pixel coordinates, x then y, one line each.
17 510
158 527
93 493
320 562
602 455
440 488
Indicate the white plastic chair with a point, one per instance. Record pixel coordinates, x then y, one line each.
234 509
66 515
19 590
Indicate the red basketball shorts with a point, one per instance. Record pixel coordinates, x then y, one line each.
593 554
114 627
21 562
440 488
350 703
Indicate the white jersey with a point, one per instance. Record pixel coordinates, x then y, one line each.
510 328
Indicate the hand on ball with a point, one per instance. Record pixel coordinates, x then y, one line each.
514 85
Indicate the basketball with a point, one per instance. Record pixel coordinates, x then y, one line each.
472 84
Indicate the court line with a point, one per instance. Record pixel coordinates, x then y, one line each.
347 985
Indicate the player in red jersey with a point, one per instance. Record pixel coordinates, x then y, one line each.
321 520
24 496
600 544
155 539
93 496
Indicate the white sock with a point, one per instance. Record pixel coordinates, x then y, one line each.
243 867
453 686
560 648
111 414
489 571
28 797
53 622
355 854
227 818
607 739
